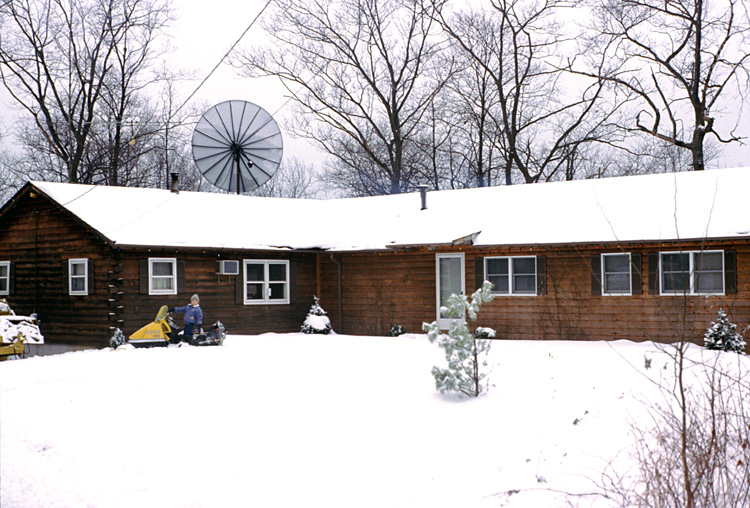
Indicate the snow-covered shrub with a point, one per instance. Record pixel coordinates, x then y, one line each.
466 354
484 333
118 339
316 320
396 330
722 335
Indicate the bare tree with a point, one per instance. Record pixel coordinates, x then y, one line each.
678 59
76 69
294 179
540 119
357 71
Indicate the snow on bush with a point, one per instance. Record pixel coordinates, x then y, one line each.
722 335
118 339
466 354
396 330
316 320
484 333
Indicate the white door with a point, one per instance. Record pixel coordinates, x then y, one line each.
450 280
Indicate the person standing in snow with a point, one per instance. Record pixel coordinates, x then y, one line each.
193 315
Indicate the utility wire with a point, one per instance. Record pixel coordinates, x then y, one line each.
222 59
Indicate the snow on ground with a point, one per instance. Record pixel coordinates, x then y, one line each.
307 420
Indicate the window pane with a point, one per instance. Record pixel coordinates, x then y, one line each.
277 272
500 283
708 261
255 272
161 283
524 266
709 282
497 267
3 285
3 271
77 284
77 269
617 264
617 283
276 291
450 278
676 281
525 284
161 268
255 291
675 262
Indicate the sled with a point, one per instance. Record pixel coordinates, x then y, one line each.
163 331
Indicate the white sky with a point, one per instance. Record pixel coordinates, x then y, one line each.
204 31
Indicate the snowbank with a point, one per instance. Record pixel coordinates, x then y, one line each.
301 420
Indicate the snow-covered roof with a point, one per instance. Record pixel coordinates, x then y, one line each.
664 207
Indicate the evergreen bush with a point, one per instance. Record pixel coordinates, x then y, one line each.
396 330
722 335
316 320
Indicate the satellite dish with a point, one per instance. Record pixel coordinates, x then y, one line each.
237 146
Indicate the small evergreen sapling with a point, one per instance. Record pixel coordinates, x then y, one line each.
118 339
316 320
722 335
466 354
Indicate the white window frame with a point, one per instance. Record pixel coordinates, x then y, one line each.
6 291
85 276
691 278
630 274
266 282
151 289
511 286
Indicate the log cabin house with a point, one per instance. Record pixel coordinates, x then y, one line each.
639 258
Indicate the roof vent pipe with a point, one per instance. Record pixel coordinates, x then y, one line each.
175 177
423 194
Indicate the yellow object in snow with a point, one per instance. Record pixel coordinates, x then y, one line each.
155 333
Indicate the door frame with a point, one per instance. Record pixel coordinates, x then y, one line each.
445 323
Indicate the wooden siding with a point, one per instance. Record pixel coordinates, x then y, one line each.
386 288
217 292
38 239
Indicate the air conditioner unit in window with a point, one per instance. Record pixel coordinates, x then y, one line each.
229 267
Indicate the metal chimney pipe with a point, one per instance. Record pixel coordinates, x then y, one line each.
175 178
423 194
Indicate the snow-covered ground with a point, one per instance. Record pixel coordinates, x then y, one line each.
308 420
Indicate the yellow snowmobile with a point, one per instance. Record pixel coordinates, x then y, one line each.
163 331
16 332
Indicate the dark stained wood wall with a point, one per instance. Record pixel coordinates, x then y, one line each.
217 292
39 238
386 288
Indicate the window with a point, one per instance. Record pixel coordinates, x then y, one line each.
512 275
700 272
78 277
266 282
4 277
162 276
616 276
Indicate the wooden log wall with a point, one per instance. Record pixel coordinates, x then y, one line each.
387 288
39 239
217 292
